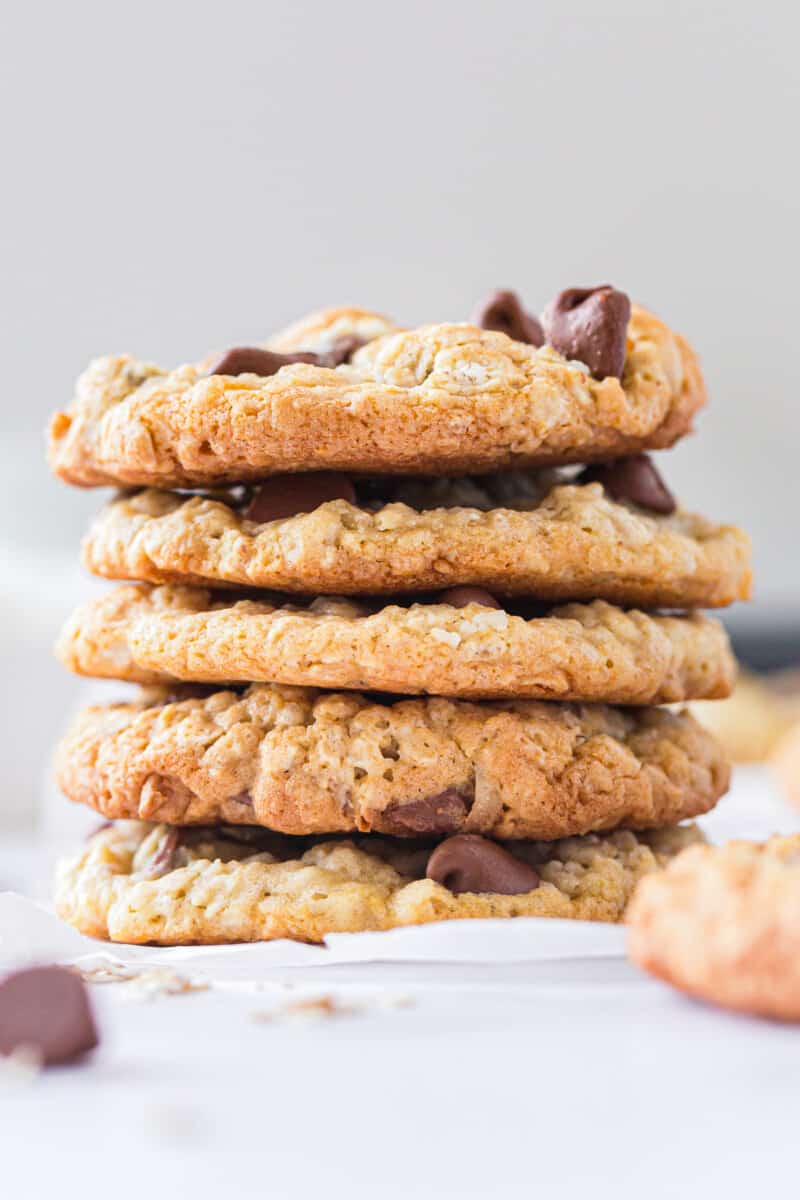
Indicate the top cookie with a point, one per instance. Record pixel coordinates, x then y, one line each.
442 399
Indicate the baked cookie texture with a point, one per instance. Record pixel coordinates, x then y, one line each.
303 762
724 924
442 399
758 722
591 652
134 883
515 535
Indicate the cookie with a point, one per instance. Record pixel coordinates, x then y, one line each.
591 652
303 762
723 923
514 534
136 882
442 399
755 723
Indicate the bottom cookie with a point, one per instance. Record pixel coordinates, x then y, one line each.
143 883
723 924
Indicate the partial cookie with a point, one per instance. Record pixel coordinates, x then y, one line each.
753 723
724 924
591 652
513 534
138 883
442 399
303 762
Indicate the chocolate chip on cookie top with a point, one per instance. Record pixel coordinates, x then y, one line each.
251 360
471 863
590 325
503 311
289 495
635 479
254 360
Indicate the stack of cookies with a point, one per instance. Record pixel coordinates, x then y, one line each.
403 606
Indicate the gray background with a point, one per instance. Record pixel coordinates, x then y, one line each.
183 176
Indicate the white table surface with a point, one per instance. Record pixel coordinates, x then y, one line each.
541 1079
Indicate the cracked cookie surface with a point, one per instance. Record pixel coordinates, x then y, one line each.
724 924
514 534
591 652
442 399
124 886
301 762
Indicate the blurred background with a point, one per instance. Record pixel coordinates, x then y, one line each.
184 176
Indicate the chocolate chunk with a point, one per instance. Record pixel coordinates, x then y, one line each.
635 479
341 351
590 325
250 360
287 495
48 1009
444 813
503 311
460 597
470 863
164 858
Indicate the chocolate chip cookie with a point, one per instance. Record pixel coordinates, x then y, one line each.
136 882
300 762
537 533
442 399
462 644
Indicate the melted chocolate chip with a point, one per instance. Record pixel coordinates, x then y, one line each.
590 325
503 311
444 813
460 597
470 863
287 495
635 479
250 360
46 1008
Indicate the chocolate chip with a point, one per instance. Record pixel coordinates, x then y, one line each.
341 351
470 863
460 597
287 495
250 360
444 813
503 311
635 479
164 857
48 1009
590 325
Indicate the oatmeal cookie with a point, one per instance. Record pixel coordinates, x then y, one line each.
135 882
723 923
442 399
592 652
303 762
514 534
